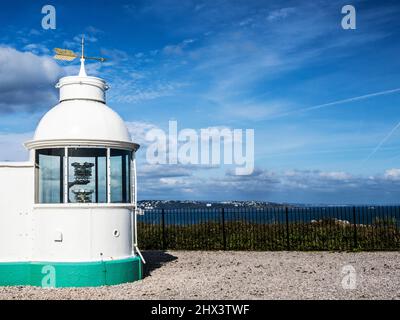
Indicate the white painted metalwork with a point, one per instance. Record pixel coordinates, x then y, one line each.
108 175
70 232
66 175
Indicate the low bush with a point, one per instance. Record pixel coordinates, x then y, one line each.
327 234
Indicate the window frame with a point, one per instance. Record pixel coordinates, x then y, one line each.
126 174
37 190
64 174
96 191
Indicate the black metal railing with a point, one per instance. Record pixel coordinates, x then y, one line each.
283 228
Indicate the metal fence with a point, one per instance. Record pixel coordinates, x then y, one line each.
303 228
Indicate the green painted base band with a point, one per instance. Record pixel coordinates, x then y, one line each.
65 274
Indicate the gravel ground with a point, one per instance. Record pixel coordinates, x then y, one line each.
244 275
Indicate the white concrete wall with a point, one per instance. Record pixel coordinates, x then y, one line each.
81 234
16 201
63 233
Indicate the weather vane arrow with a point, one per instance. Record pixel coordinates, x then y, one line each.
69 55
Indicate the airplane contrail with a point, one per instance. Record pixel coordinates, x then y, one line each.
366 96
382 142
320 106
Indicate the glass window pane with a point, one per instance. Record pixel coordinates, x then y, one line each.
49 166
120 176
87 175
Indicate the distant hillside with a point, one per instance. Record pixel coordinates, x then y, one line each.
173 204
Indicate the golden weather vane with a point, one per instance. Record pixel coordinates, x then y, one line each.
69 55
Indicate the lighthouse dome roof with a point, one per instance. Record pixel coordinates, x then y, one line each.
84 120
81 116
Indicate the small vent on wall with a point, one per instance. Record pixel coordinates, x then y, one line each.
58 236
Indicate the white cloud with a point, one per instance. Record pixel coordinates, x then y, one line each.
94 30
295 186
254 111
177 49
392 174
37 49
27 81
169 181
125 91
340 176
137 75
88 38
114 55
138 131
280 13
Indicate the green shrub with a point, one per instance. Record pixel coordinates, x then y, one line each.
323 235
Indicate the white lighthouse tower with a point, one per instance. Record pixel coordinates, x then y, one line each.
68 215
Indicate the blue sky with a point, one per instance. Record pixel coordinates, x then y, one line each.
262 65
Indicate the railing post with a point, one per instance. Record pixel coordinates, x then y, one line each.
163 229
287 228
355 227
223 228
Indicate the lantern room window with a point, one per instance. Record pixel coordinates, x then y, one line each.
49 173
83 175
120 176
87 175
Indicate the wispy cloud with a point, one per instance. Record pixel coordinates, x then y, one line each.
339 102
235 64
382 142
37 49
177 49
234 61
280 13
127 92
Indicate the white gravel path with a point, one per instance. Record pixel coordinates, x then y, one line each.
244 275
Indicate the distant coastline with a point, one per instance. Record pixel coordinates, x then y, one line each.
194 204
